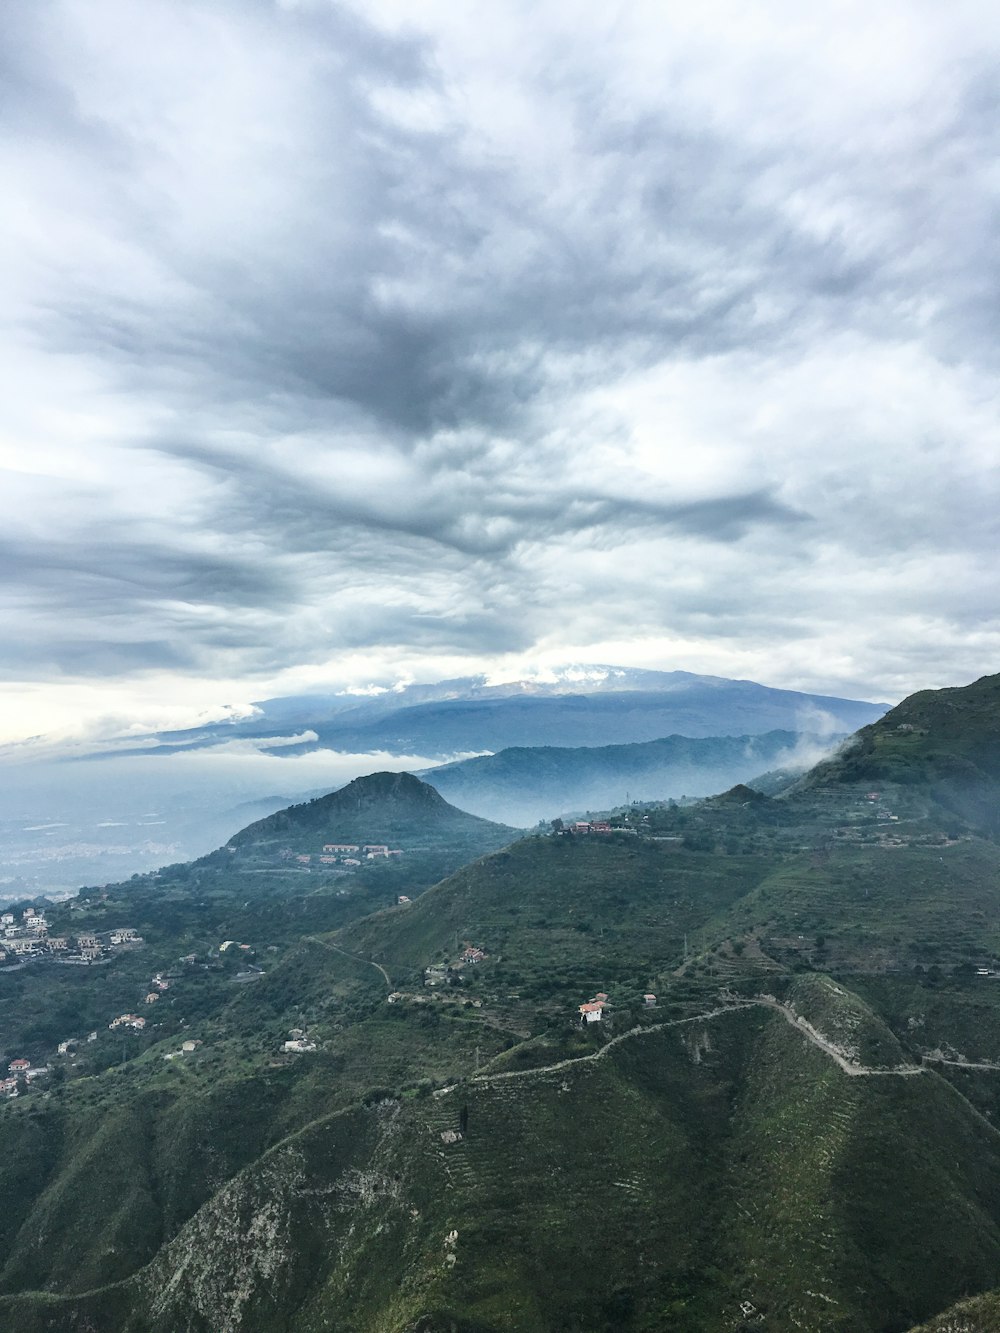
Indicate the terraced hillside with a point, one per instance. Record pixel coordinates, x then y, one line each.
782 1116
748 1177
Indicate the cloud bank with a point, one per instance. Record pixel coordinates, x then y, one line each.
356 342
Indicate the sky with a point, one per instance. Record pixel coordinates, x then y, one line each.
355 343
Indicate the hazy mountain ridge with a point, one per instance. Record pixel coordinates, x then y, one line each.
596 706
524 784
92 793
574 719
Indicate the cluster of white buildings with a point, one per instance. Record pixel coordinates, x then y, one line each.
342 853
593 1010
70 1044
28 937
133 1021
187 1048
440 974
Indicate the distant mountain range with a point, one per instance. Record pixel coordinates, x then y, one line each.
523 784
578 706
73 816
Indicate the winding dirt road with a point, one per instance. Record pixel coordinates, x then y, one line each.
355 957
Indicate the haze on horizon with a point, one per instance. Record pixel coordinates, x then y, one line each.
348 345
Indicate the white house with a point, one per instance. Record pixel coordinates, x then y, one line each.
592 1012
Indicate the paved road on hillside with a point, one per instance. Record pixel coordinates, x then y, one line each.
603 1050
959 1064
800 1025
825 1045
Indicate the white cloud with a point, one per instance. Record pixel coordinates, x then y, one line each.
353 347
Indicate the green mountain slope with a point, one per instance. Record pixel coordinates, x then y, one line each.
426 837
943 744
783 1119
727 1166
381 808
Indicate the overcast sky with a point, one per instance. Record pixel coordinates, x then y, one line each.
346 343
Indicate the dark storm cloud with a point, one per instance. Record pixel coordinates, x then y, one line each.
666 254
130 573
331 338
272 497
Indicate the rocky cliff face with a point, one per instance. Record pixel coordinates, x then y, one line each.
252 1255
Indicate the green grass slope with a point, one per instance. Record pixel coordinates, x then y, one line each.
695 1177
563 913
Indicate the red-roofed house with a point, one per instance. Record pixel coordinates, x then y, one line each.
592 1012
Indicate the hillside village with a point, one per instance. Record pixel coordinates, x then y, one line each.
29 937
347 854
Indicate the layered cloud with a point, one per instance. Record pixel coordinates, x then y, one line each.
360 341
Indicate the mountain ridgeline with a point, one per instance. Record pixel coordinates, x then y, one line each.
381 808
943 742
592 706
524 784
406 834
128 807
731 1067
